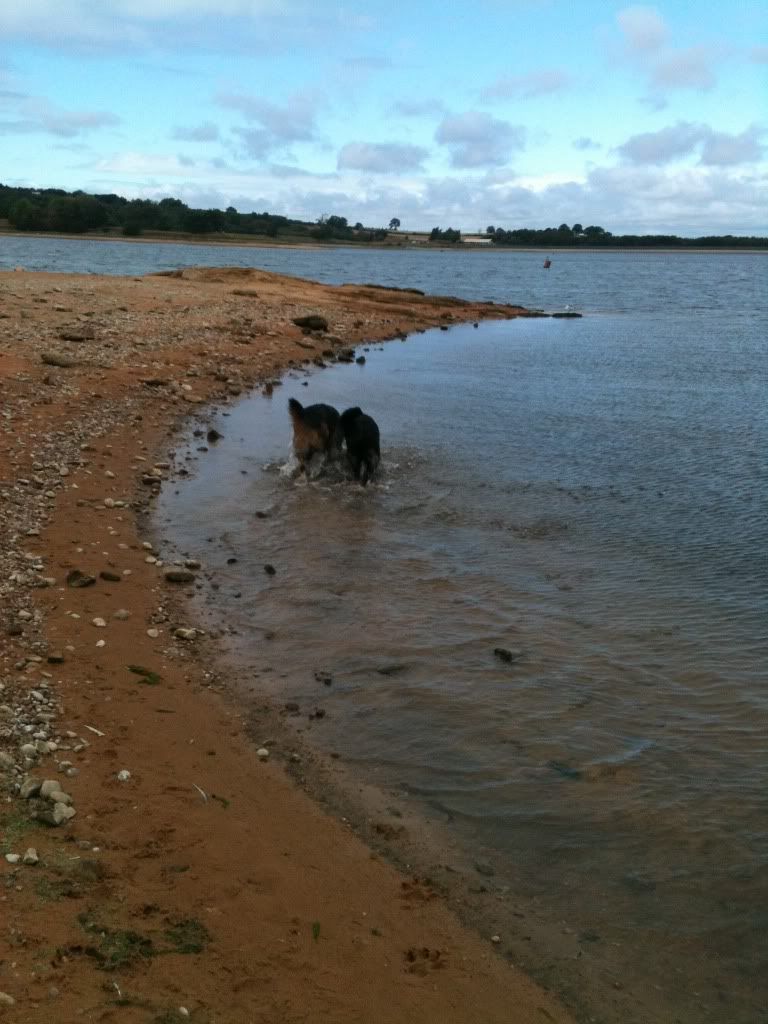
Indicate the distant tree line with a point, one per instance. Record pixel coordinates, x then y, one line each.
53 209
449 235
593 235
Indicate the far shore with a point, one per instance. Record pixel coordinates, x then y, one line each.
246 241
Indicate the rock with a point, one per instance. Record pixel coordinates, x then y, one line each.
110 577
86 333
76 578
48 787
62 813
6 761
313 322
55 658
482 867
31 857
99 622
30 787
124 775
185 634
496 939
57 359
179 576
13 858
504 654
270 570
5 999
121 614
153 633
566 316
213 435
262 753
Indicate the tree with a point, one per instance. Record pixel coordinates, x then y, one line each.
490 230
394 224
577 229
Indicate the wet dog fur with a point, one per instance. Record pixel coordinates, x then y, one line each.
315 429
361 434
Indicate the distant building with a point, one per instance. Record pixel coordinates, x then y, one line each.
476 239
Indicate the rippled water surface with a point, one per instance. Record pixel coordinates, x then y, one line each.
589 495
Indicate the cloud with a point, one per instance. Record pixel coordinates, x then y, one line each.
643 28
476 139
535 83
722 150
32 115
685 69
381 157
418 108
293 121
684 138
205 132
584 142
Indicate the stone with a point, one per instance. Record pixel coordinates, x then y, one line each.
185 634
85 333
76 578
313 322
13 858
179 576
5 999
49 786
99 622
121 614
30 787
57 359
262 753
110 577
31 857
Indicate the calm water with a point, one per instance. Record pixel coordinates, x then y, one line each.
590 495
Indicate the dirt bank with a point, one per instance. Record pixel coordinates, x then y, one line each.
195 880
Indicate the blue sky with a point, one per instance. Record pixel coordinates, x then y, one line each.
640 118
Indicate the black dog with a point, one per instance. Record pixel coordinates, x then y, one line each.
315 429
362 436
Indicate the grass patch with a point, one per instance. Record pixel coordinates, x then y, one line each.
114 950
187 936
14 826
146 675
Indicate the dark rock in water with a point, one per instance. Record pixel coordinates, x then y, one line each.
567 316
563 769
360 360
443 327
504 654
392 670
76 578
260 514
484 868
214 435
270 570
313 322
345 355
231 561
326 678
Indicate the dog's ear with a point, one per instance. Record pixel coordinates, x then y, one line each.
295 408
353 413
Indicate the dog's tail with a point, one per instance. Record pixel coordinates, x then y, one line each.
296 409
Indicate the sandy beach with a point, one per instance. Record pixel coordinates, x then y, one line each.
195 880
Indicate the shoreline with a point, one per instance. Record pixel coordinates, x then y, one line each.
246 243
204 878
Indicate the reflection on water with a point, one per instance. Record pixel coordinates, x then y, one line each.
589 497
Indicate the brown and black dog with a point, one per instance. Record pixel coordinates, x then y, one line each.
361 433
315 429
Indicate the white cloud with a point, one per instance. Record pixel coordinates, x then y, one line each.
644 29
535 83
32 115
692 68
292 121
684 138
381 157
205 132
476 139
584 142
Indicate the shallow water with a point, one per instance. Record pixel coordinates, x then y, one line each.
589 495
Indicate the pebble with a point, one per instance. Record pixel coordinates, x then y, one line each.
496 938
13 858
153 633
6 1000
101 623
121 614
179 575
31 857
124 775
262 753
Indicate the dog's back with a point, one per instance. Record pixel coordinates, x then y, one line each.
315 428
361 433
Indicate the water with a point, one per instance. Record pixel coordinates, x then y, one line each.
589 495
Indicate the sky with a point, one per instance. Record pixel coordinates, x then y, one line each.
460 113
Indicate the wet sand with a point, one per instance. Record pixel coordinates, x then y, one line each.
196 880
